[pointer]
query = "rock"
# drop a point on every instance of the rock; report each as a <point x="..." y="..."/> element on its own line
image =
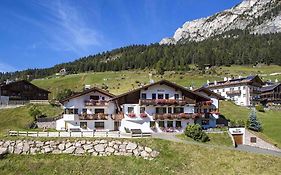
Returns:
<point x="147" y="149"/>
<point x="56" y="151"/>
<point x="11" y="149"/>
<point x="39" y="144"/>
<point x="78" y="144"/>
<point x="17" y="151"/>
<point x="122" y="147"/>
<point x="95" y="153"/>
<point x="144" y="154"/>
<point x="99" y="147"/>
<point x="136" y="152"/>
<point x="87" y="146"/>
<point x="25" y="147"/>
<point x="103" y="141"/>
<point x="3" y="151"/>
<point x="61" y="146"/>
<point x="33" y="150"/>
<point x="69" y="150"/>
<point x="91" y="151"/>
<point x="68" y="144"/>
<point x="131" y="146"/>
<point x="109" y="150"/>
<point x="48" y="150"/>
<point x="154" y="154"/>
<point x="79" y="150"/>
<point x="83" y="142"/>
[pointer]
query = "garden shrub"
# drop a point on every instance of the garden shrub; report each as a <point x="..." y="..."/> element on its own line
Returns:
<point x="196" y="133"/>
<point x="260" y="108"/>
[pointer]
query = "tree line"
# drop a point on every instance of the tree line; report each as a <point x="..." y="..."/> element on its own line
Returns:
<point x="233" y="47"/>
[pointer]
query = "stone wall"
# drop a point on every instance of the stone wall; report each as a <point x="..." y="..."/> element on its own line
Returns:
<point x="49" y="125"/>
<point x="94" y="148"/>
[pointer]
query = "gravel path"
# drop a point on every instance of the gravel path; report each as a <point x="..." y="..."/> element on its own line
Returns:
<point x="244" y="148"/>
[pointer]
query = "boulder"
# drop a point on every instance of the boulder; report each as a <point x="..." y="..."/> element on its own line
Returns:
<point x="147" y="149"/>
<point x="99" y="147"/>
<point x="154" y="154"/>
<point x="3" y="151"/>
<point x="144" y="154"/>
<point x="69" y="150"/>
<point x="109" y="150"/>
<point x="131" y="146"/>
<point x="87" y="146"/>
<point x="61" y="146"/>
<point x="79" y="150"/>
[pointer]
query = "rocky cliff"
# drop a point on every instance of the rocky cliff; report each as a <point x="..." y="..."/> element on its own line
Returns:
<point x="255" y="16"/>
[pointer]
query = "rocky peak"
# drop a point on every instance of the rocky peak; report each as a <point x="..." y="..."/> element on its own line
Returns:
<point x="255" y="16"/>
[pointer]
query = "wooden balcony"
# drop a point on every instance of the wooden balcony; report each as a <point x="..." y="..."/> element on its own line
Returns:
<point x="117" y="117"/>
<point x="161" y="102"/>
<point x="233" y="92"/>
<point x="176" y="116"/>
<point x="96" y="103"/>
<point x="252" y="91"/>
<point x="99" y="116"/>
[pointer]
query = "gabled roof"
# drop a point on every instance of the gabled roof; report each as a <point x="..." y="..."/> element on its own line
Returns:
<point x="248" y="79"/>
<point x="24" y="82"/>
<point x="208" y="92"/>
<point x="270" y="87"/>
<point x="94" y="89"/>
<point x="168" y="83"/>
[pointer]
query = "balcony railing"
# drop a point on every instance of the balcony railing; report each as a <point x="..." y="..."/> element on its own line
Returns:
<point x="96" y="103"/>
<point x="176" y="116"/>
<point x="155" y="102"/>
<point x="233" y="92"/>
<point x="93" y="116"/>
<point x="252" y="91"/>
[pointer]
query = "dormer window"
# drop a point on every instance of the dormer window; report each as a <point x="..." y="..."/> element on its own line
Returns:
<point x="167" y="96"/>
<point x="143" y="96"/>
<point x="153" y="96"/>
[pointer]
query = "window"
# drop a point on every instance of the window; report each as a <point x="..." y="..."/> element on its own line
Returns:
<point x="130" y="109"/>
<point x="94" y="97"/>
<point x="99" y="125"/>
<point x="97" y="111"/>
<point x="169" y="110"/>
<point x="167" y="96"/>
<point x="244" y="87"/>
<point x="244" y="95"/>
<point x="161" y="124"/>
<point x="143" y="96"/>
<point x="84" y="110"/>
<point x="205" y="122"/>
<point x="160" y="96"/>
<point x="178" y="124"/>
<point x="178" y="110"/>
<point x="177" y="96"/>
<point x="161" y="110"/>
<point x="153" y="96"/>
<point x="83" y="125"/>
<point x="152" y="124"/>
<point x="170" y="124"/>
<point x="205" y="110"/>
<point x="239" y="88"/>
<point x="142" y="109"/>
<point x="222" y="90"/>
<point x="102" y="98"/>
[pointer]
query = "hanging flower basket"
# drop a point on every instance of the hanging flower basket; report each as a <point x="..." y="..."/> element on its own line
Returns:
<point x="143" y="115"/>
<point x="132" y="115"/>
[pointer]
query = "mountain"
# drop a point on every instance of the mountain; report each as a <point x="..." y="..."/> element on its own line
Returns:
<point x="254" y="16"/>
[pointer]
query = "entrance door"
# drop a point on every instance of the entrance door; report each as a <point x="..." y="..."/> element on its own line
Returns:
<point x="238" y="138"/>
<point x="116" y="125"/>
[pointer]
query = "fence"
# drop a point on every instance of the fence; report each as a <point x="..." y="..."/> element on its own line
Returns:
<point x="44" y="102"/>
<point x="106" y="134"/>
<point x="49" y="119"/>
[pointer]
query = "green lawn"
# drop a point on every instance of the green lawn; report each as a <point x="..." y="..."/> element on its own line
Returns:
<point x="215" y="139"/>
<point x="174" y="158"/>
<point x="19" y="118"/>
<point x="271" y="120"/>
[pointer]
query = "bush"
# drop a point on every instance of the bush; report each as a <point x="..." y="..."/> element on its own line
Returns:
<point x="34" y="112"/>
<point x="260" y="108"/>
<point x="196" y="133"/>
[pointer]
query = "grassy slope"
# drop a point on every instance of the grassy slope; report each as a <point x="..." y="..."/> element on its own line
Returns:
<point x="270" y="120"/>
<point x="215" y="139"/>
<point x="19" y="118"/>
<point x="174" y="158"/>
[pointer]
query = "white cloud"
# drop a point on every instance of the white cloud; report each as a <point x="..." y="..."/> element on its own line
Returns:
<point x="6" y="68"/>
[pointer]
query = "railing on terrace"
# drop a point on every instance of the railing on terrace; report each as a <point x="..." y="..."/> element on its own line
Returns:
<point x="232" y="92"/>
<point x="99" y="116"/>
<point x="176" y="116"/>
<point x="165" y="102"/>
<point x="96" y="103"/>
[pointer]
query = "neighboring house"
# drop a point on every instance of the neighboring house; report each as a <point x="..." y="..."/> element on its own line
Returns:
<point x="243" y="91"/>
<point x="160" y="106"/>
<point x="271" y="94"/>
<point x="88" y="110"/>
<point x="62" y="72"/>
<point x="211" y="110"/>
<point x="21" y="91"/>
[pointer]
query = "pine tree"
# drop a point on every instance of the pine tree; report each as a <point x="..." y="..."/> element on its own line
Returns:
<point x="254" y="124"/>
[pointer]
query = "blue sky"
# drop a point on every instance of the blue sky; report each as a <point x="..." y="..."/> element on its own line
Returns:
<point x="42" y="33"/>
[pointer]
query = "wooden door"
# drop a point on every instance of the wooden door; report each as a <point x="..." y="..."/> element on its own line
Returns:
<point x="238" y="138"/>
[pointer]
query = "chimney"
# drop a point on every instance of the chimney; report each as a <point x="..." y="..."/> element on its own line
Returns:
<point x="215" y="82"/>
<point x="276" y="80"/>
<point x="224" y="79"/>
<point x="87" y="87"/>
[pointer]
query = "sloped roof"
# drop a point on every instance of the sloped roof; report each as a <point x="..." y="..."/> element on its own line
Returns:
<point x="208" y="92"/>
<point x="270" y="87"/>
<point x="88" y="91"/>
<point x="247" y="79"/>
<point x="22" y="81"/>
<point x="168" y="83"/>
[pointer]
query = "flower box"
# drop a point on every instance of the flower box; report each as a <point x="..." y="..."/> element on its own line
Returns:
<point x="132" y="115"/>
<point x="143" y="115"/>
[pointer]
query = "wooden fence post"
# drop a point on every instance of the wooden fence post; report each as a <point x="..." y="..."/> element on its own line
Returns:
<point x="18" y="133"/>
<point x="81" y="133"/>
<point x="106" y="134"/>
<point x="69" y="133"/>
<point x="27" y="134"/>
<point x="93" y="133"/>
<point x="37" y="133"/>
<point x="59" y="134"/>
